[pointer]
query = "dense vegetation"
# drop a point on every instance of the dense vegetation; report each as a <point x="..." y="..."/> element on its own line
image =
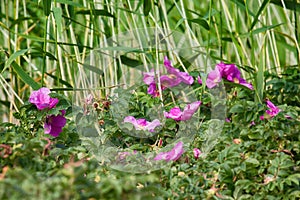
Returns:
<point x="218" y="117"/>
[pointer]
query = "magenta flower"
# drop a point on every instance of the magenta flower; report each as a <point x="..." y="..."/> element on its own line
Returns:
<point x="213" y="78"/>
<point x="243" y="82"/>
<point x="152" y="90"/>
<point x="232" y="74"/>
<point x="182" y="76"/>
<point x="199" y="80"/>
<point x="273" y="111"/>
<point x="176" y="114"/>
<point x="54" y="124"/>
<point x="142" y="124"/>
<point x="89" y="99"/>
<point x="169" y="81"/>
<point x="149" y="77"/>
<point x="197" y="152"/>
<point x="174" y="154"/>
<point x="42" y="100"/>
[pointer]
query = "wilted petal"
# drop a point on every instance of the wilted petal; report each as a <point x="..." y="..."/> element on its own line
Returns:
<point x="169" y="81"/>
<point x="52" y="102"/>
<point x="186" y="78"/>
<point x="189" y="110"/>
<point x="173" y="155"/>
<point x="152" y="125"/>
<point x="142" y="124"/>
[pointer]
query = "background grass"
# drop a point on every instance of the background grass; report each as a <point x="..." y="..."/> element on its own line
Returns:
<point x="50" y="40"/>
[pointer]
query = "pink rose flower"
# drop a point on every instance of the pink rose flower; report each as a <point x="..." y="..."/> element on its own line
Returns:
<point x="197" y="153"/>
<point x="232" y="74"/>
<point x="182" y="76"/>
<point x="214" y="77"/>
<point x="176" y="114"/>
<point x="41" y="99"/>
<point x="272" y="112"/>
<point x="54" y="124"/>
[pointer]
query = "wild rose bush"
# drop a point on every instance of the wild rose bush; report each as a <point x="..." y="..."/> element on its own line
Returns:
<point x="246" y="162"/>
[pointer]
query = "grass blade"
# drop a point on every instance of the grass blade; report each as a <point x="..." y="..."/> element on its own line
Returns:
<point x="24" y="76"/>
<point x="261" y="9"/>
<point x="13" y="57"/>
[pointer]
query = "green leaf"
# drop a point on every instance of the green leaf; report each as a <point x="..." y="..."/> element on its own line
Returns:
<point x="241" y="5"/>
<point x="289" y="4"/>
<point x="237" y="108"/>
<point x="147" y="7"/>
<point x="24" y="76"/>
<point x="179" y="23"/>
<point x="93" y="69"/>
<point x="96" y="12"/>
<point x="265" y="28"/>
<point x="129" y="61"/>
<point x="71" y="3"/>
<point x="57" y="12"/>
<point x="39" y="52"/>
<point x="47" y="7"/>
<point x="294" y="178"/>
<point x="200" y="22"/>
<point x="252" y="161"/>
<point x="13" y="57"/>
<point x="60" y="80"/>
<point x="261" y="9"/>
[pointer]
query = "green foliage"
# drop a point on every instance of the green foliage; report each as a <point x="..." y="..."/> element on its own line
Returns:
<point x="50" y="42"/>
